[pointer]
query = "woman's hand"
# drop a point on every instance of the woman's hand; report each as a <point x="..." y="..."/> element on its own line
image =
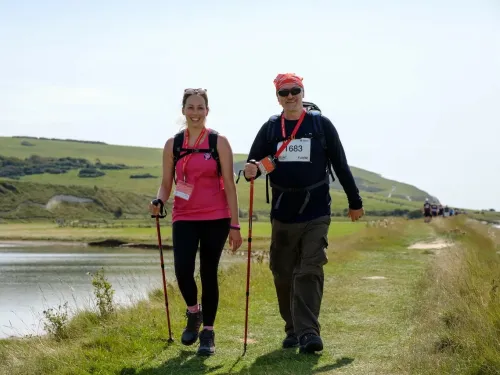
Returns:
<point x="235" y="240"/>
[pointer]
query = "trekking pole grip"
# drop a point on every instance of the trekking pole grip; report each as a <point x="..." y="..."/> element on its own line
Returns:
<point x="162" y="213"/>
<point x="241" y="170"/>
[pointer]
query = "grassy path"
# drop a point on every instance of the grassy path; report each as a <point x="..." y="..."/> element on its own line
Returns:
<point x="371" y="290"/>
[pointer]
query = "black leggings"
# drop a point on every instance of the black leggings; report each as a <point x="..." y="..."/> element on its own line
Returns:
<point x="211" y="235"/>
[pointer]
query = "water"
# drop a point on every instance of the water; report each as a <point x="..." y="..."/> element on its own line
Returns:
<point x="35" y="277"/>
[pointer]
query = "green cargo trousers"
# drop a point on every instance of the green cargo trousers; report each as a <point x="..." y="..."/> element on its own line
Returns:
<point x="297" y="257"/>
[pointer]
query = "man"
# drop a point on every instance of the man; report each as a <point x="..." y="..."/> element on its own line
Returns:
<point x="427" y="211"/>
<point x="288" y="149"/>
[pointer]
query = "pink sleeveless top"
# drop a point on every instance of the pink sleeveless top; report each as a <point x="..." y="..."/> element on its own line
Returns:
<point x="208" y="199"/>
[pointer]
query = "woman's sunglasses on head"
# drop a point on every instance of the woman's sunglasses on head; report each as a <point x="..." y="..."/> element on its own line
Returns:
<point x="195" y="91"/>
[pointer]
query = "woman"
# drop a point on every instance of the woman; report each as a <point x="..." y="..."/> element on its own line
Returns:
<point x="205" y="212"/>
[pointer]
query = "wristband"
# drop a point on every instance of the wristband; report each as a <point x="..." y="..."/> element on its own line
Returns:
<point x="235" y="227"/>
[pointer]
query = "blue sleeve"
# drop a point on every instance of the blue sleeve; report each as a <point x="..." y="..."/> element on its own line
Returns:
<point x="338" y="159"/>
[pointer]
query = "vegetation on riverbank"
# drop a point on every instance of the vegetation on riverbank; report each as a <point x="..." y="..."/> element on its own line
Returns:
<point x="388" y="309"/>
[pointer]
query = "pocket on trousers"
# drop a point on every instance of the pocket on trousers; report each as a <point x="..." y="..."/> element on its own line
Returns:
<point x="314" y="254"/>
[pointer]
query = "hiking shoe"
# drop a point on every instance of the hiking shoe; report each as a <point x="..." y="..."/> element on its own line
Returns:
<point x="190" y="333"/>
<point x="310" y="343"/>
<point x="207" y="343"/>
<point x="291" y="341"/>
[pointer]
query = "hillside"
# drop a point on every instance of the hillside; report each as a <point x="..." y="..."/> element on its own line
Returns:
<point x="40" y="169"/>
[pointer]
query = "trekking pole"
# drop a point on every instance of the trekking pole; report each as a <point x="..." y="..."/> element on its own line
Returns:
<point x="163" y="268"/>
<point x="250" y="220"/>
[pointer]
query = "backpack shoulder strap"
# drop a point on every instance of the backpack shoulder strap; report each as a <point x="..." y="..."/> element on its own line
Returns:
<point x="178" y="140"/>
<point x="212" y="145"/>
<point x="320" y="134"/>
<point x="270" y="128"/>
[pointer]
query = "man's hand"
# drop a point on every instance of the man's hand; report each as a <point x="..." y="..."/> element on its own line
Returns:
<point x="250" y="170"/>
<point x="355" y="215"/>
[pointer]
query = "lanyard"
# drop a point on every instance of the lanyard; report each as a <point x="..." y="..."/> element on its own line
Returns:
<point x="292" y="136"/>
<point x="185" y="145"/>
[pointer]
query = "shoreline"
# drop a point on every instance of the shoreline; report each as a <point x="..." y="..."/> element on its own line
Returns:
<point x="110" y="243"/>
<point x="259" y="254"/>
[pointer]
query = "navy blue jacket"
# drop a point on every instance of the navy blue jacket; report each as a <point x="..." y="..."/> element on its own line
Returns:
<point x="302" y="174"/>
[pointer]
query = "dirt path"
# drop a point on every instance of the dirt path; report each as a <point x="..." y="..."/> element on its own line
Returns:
<point x="433" y="245"/>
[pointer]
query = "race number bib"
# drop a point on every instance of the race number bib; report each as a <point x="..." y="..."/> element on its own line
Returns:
<point x="297" y="150"/>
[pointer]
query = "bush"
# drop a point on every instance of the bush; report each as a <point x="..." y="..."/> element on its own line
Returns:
<point x="113" y="166"/>
<point x="13" y="167"/>
<point x="118" y="213"/>
<point x="415" y="214"/>
<point x="144" y="175"/>
<point x="90" y="172"/>
<point x="56" y="321"/>
<point x="103" y="292"/>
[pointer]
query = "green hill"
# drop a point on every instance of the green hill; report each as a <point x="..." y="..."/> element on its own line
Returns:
<point x="108" y="177"/>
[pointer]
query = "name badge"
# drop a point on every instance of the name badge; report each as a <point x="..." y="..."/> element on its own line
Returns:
<point x="266" y="165"/>
<point x="183" y="190"/>
<point x="297" y="150"/>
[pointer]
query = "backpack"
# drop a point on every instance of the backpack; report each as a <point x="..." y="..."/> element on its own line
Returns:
<point x="212" y="149"/>
<point x="318" y="133"/>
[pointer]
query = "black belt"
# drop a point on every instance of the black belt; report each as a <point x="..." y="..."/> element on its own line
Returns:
<point x="307" y="189"/>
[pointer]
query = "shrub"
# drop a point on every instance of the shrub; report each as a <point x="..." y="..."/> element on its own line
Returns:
<point x="144" y="175"/>
<point x="56" y="321"/>
<point x="103" y="293"/>
<point x="90" y="172"/>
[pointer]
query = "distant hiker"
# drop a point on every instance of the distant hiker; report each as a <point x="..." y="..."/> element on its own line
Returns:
<point x="434" y="209"/>
<point x="446" y="211"/>
<point x="440" y="210"/>
<point x="298" y="171"/>
<point x="427" y="211"/>
<point x="204" y="213"/>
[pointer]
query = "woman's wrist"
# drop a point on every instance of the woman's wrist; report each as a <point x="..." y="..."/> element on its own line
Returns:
<point x="235" y="226"/>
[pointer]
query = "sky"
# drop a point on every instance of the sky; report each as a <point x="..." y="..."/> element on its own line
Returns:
<point x="413" y="88"/>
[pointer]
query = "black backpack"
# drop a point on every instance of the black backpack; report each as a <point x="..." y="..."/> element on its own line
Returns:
<point x="319" y="134"/>
<point x="212" y="149"/>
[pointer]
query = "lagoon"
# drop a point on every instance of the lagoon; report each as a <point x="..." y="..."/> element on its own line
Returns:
<point x="36" y="276"/>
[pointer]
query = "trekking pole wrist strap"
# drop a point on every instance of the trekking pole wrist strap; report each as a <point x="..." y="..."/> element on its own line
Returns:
<point x="163" y="212"/>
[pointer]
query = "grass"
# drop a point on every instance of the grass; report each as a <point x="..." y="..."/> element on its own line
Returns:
<point x="26" y="200"/>
<point x="488" y="216"/>
<point x="456" y="325"/>
<point x="129" y="155"/>
<point x="117" y="190"/>
<point x="369" y="326"/>
<point x="139" y="231"/>
<point x="150" y="159"/>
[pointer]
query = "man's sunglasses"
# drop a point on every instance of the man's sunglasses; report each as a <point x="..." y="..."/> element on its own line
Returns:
<point x="195" y="91"/>
<point x="294" y="91"/>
